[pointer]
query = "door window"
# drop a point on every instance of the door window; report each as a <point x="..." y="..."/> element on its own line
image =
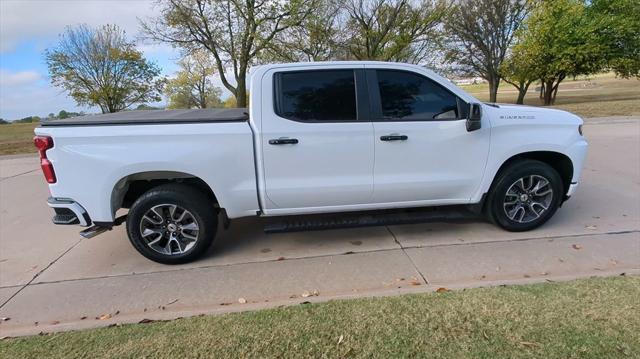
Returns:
<point x="406" y="96"/>
<point x="316" y="96"/>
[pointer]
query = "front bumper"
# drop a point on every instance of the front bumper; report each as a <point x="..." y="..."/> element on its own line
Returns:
<point x="68" y="212"/>
<point x="572" y="189"/>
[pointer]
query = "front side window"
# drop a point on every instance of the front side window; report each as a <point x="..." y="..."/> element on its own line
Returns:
<point x="406" y="96"/>
<point x="326" y="95"/>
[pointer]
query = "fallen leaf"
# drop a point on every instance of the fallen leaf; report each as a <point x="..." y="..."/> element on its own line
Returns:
<point x="591" y="227"/>
<point x="36" y="323"/>
<point x="305" y="294"/>
<point x="242" y="301"/>
<point x="544" y="273"/>
<point x="293" y="296"/>
<point x="529" y="344"/>
<point x="315" y="293"/>
<point x="83" y="317"/>
<point x="340" y="339"/>
<point x="104" y="317"/>
<point x="117" y="312"/>
<point x="4" y="319"/>
<point x="280" y="259"/>
<point x="484" y="334"/>
<point x="527" y="276"/>
<point x="225" y="303"/>
<point x="55" y="322"/>
<point x="442" y="290"/>
<point x="561" y="260"/>
<point x="415" y="282"/>
<point x="399" y="279"/>
<point x="576" y="246"/>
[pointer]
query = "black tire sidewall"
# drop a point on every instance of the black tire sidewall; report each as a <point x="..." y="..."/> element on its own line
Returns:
<point x="507" y="178"/>
<point x="185" y="197"/>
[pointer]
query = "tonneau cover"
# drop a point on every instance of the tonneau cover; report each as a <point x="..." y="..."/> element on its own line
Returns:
<point x="140" y="117"/>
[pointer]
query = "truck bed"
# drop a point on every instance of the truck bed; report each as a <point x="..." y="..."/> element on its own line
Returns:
<point x="154" y="117"/>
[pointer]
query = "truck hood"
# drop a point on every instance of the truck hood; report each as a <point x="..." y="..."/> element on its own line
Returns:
<point x="529" y="114"/>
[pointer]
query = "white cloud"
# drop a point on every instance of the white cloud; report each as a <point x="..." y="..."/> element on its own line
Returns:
<point x="28" y="19"/>
<point x="16" y="79"/>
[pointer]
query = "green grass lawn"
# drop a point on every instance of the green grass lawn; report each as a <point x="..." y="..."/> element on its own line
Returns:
<point x="17" y="138"/>
<point x="592" y="318"/>
<point x="597" y="96"/>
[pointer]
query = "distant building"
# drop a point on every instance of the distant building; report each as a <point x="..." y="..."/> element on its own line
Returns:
<point x="468" y="80"/>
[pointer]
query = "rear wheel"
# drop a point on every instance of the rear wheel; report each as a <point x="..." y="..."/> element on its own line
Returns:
<point x="172" y="224"/>
<point x="525" y="195"/>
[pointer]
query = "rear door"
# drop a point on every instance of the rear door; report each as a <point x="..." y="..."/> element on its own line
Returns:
<point x="423" y="150"/>
<point x="317" y="148"/>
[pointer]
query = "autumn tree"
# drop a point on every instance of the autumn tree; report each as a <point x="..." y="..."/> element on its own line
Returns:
<point x="100" y="67"/>
<point x="480" y="35"/>
<point x="318" y="38"/>
<point x="393" y="30"/>
<point x="559" y="40"/>
<point x="616" y="26"/>
<point x="520" y="69"/>
<point x="192" y="86"/>
<point x="234" y="32"/>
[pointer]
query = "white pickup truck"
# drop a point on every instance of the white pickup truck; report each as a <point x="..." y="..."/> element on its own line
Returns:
<point x="318" y="138"/>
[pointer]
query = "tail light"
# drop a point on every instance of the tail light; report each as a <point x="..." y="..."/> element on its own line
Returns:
<point x="43" y="143"/>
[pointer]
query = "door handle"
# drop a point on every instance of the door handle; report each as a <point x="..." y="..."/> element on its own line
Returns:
<point x="283" y="141"/>
<point x="394" y="138"/>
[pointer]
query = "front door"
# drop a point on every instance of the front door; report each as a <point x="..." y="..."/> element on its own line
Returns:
<point x="423" y="149"/>
<point x="316" y="151"/>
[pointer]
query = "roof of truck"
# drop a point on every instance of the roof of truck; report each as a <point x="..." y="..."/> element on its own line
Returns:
<point x="140" y="117"/>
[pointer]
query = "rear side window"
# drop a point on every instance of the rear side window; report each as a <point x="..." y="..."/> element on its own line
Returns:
<point x="327" y="95"/>
<point x="409" y="97"/>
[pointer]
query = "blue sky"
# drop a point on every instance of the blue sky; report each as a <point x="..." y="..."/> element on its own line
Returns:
<point x="28" y="27"/>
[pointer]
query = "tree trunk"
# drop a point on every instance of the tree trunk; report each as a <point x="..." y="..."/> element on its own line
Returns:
<point x="521" y="93"/>
<point x="548" y="93"/>
<point x="241" y="93"/>
<point x="541" y="89"/>
<point x="493" y="89"/>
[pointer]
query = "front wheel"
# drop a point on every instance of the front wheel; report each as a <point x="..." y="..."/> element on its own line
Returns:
<point x="525" y="195"/>
<point x="172" y="224"/>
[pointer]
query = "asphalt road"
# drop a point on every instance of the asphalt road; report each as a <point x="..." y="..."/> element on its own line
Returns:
<point x="51" y="279"/>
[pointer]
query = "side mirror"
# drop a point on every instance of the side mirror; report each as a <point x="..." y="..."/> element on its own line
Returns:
<point x="475" y="117"/>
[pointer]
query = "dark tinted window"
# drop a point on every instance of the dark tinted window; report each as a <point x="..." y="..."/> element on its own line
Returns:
<point x="408" y="96"/>
<point x="316" y="95"/>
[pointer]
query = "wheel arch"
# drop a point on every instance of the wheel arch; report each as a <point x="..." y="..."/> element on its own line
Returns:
<point x="128" y="188"/>
<point x="557" y="160"/>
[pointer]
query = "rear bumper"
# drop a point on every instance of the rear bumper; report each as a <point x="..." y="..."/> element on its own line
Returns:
<point x="68" y="212"/>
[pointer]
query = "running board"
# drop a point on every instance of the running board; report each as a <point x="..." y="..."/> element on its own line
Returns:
<point x="368" y="219"/>
<point x="99" y="229"/>
<point x="94" y="231"/>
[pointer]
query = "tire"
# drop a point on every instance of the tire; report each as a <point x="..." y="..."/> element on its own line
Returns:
<point x="163" y="222"/>
<point x="507" y="193"/>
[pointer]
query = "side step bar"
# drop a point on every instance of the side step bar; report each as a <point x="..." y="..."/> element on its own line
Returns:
<point x="367" y="219"/>
<point x="99" y="229"/>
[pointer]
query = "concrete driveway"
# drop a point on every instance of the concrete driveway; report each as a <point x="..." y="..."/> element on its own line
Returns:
<point x="51" y="279"/>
